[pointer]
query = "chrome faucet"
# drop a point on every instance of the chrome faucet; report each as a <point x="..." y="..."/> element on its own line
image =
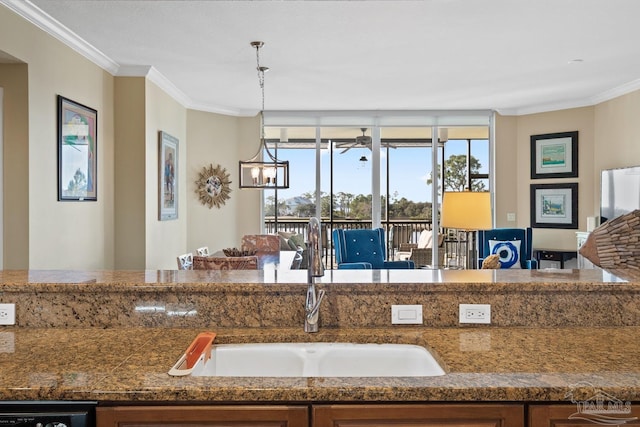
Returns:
<point x="315" y="269"/>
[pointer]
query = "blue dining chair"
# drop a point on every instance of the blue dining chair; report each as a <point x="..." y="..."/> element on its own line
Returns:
<point x="364" y="249"/>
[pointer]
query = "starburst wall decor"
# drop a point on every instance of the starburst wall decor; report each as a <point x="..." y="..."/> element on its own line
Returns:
<point x="213" y="186"/>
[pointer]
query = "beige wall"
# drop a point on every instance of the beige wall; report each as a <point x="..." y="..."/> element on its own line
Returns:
<point x="609" y="137"/>
<point x="164" y="239"/>
<point x="212" y="141"/>
<point x="70" y="234"/>
<point x="250" y="215"/>
<point x="506" y="153"/>
<point x="143" y="241"/>
<point x="514" y="164"/>
<point x="617" y="132"/>
<point x="14" y="80"/>
<point x="221" y="140"/>
<point x="129" y="181"/>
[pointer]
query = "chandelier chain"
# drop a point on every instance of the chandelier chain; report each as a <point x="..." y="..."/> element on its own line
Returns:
<point x="261" y="71"/>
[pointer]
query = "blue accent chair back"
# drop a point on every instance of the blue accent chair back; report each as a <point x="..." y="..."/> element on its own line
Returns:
<point x="507" y="234"/>
<point x="363" y="249"/>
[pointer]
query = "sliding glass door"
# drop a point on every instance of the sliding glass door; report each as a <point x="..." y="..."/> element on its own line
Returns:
<point x="369" y="175"/>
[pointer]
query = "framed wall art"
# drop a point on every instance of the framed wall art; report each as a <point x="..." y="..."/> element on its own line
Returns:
<point x="77" y="151"/>
<point x="167" y="177"/>
<point x="213" y="186"/>
<point x="554" y="155"/>
<point x="554" y="205"/>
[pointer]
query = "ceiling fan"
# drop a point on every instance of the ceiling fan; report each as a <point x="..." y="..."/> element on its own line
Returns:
<point x="361" y="141"/>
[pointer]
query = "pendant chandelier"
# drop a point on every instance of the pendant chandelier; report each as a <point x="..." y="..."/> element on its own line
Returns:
<point x="263" y="170"/>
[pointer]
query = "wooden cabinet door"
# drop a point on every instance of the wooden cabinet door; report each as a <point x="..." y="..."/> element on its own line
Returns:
<point x="203" y="416"/>
<point x="418" y="415"/>
<point x="567" y="415"/>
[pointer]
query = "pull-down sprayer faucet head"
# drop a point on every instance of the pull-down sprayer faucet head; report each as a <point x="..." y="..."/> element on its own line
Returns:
<point x="315" y="269"/>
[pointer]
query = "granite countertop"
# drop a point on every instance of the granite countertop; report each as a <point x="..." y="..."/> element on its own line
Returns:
<point x="375" y="280"/>
<point x="482" y="364"/>
<point x="113" y="335"/>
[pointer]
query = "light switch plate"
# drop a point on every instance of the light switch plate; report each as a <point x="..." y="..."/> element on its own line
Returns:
<point x="406" y="314"/>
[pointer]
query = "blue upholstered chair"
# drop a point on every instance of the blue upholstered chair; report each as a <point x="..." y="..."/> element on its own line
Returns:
<point x="504" y="242"/>
<point x="363" y="249"/>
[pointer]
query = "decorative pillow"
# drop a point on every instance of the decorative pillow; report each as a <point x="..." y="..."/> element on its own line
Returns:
<point x="425" y="239"/>
<point x="284" y="239"/>
<point x="298" y="240"/>
<point x="508" y="252"/>
<point x="291" y="245"/>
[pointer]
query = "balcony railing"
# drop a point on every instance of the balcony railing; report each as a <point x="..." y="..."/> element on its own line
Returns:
<point x="396" y="231"/>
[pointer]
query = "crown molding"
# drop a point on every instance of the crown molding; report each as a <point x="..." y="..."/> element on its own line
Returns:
<point x="40" y="19"/>
<point x="165" y="84"/>
<point x="134" y="70"/>
<point x="155" y="76"/>
<point x="616" y="92"/>
<point x="207" y="108"/>
<point x="607" y="95"/>
<point x="545" y="108"/>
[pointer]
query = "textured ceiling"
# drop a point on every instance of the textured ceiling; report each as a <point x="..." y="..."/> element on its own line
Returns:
<point x="514" y="56"/>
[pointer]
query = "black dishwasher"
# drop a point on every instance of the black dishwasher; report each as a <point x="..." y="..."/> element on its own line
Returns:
<point x="47" y="413"/>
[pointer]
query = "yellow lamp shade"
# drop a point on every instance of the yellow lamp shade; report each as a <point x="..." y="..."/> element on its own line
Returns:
<point x="466" y="210"/>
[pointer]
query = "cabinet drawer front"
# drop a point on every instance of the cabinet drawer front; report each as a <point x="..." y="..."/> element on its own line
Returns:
<point x="206" y="415"/>
<point x="418" y="415"/>
<point x="569" y="416"/>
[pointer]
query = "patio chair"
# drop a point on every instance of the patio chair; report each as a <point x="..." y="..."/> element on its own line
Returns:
<point x="513" y="246"/>
<point x="363" y="249"/>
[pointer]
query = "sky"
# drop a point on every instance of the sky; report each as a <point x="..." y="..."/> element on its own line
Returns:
<point x="409" y="170"/>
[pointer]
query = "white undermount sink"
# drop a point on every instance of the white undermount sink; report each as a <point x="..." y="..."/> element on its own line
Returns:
<point x="318" y="360"/>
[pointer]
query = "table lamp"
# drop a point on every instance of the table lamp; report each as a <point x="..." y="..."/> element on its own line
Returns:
<point x="469" y="211"/>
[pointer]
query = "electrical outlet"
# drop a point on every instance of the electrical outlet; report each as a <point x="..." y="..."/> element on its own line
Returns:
<point x="475" y="313"/>
<point x="7" y="314"/>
